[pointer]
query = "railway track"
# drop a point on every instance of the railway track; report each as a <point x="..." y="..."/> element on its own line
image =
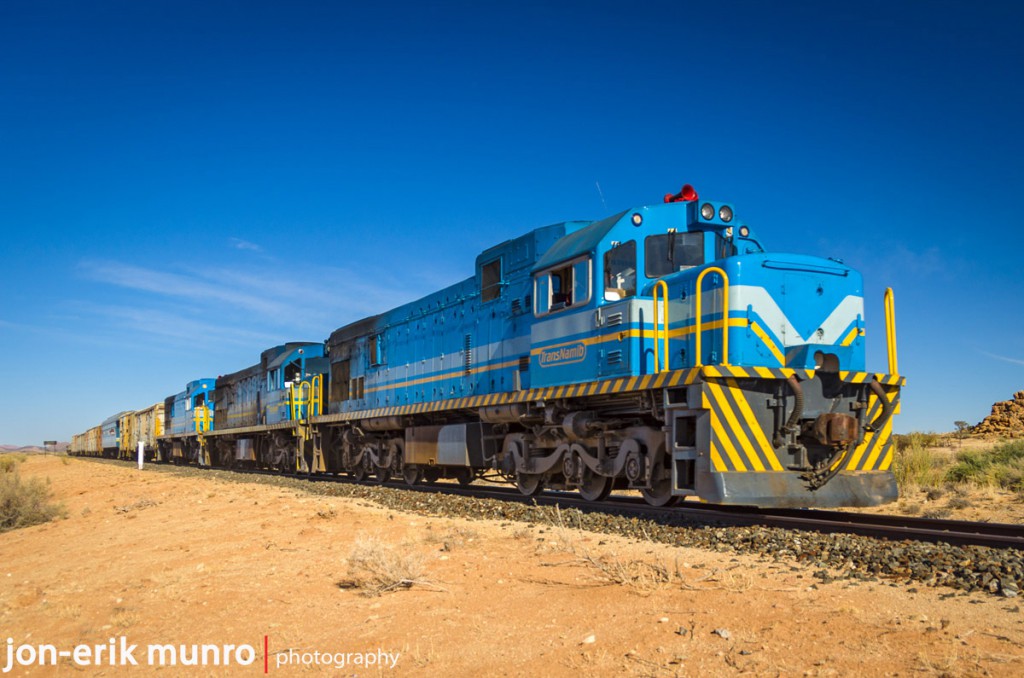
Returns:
<point x="691" y="514"/>
<point x="996" y="535"/>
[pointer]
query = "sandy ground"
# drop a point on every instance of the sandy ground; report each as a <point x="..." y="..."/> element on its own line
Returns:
<point x="162" y="559"/>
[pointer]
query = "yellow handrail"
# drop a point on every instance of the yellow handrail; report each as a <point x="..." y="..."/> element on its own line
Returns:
<point x="890" y="329"/>
<point x="296" y="401"/>
<point x="202" y="418"/>
<point x="725" y="315"/>
<point x="662" y="333"/>
<point x="316" y="397"/>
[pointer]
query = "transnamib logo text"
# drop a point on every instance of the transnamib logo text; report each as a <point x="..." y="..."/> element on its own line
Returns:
<point x="563" y="355"/>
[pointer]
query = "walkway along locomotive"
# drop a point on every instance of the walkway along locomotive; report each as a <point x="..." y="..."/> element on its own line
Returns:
<point x="662" y="349"/>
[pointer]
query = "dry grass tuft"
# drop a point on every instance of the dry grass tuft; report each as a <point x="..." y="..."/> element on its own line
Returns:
<point x="915" y="465"/>
<point x="327" y="512"/>
<point x="27" y="503"/>
<point x="123" y="618"/>
<point x="639" y="575"/>
<point x="522" y="533"/>
<point x="69" y="611"/>
<point x="375" y="567"/>
<point x="136" y="506"/>
<point x="9" y="462"/>
<point x="452" y="538"/>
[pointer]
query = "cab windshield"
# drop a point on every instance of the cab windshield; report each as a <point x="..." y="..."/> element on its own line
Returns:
<point x="671" y="252"/>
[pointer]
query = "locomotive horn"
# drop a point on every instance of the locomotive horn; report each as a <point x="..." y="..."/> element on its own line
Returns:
<point x="686" y="194"/>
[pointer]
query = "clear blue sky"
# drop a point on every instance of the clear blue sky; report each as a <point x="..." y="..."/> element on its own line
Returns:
<point x="183" y="184"/>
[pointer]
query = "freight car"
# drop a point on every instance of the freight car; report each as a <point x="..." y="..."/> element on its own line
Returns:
<point x="662" y="350"/>
<point x="144" y="426"/>
<point x="87" y="444"/>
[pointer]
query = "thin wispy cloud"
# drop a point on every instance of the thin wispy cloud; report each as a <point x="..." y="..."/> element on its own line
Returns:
<point x="1005" y="359"/>
<point x="191" y="287"/>
<point x="240" y="244"/>
<point x="274" y="302"/>
<point x="175" y="326"/>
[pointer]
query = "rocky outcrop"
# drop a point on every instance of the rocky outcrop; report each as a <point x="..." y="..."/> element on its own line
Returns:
<point x="1007" y="418"/>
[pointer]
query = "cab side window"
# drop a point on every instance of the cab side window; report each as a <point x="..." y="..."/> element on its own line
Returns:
<point x="724" y="248"/>
<point x="566" y="286"/>
<point x="490" y="281"/>
<point x="620" y="271"/>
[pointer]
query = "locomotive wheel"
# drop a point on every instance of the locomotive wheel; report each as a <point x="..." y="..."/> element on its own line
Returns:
<point x="530" y="484"/>
<point x="431" y="475"/>
<point x="660" y="493"/>
<point x="412" y="475"/>
<point x="381" y="475"/>
<point x="359" y="472"/>
<point x="464" y="476"/>
<point x="595" y="487"/>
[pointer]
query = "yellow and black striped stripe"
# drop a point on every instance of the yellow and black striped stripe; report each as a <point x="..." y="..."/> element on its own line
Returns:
<point x="875" y="453"/>
<point x="738" y="441"/>
<point x="647" y="382"/>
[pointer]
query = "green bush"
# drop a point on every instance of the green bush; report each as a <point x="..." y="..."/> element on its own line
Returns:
<point x="914" y="464"/>
<point x="1000" y="466"/>
<point x="25" y="503"/>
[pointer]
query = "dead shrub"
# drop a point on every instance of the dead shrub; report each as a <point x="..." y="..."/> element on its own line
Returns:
<point x="136" y="506"/>
<point x="638" y="575"/>
<point x="9" y="462"/>
<point x="375" y="567"/>
<point x="25" y="503"/>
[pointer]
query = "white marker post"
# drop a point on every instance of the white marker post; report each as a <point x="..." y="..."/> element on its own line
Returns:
<point x="142" y="453"/>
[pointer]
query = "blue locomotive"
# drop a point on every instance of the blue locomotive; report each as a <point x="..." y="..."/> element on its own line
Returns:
<point x="187" y="416"/>
<point x="663" y="349"/>
<point x="267" y="399"/>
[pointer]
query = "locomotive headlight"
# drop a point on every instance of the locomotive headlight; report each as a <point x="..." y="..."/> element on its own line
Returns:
<point x="638" y="219"/>
<point x="744" y="231"/>
<point x="707" y="210"/>
<point x="725" y="213"/>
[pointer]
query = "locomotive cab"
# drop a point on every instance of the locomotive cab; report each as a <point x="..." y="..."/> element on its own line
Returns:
<point x="294" y="382"/>
<point x="593" y="309"/>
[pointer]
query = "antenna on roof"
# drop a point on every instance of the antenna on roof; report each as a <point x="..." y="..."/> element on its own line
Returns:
<point x="600" y="193"/>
